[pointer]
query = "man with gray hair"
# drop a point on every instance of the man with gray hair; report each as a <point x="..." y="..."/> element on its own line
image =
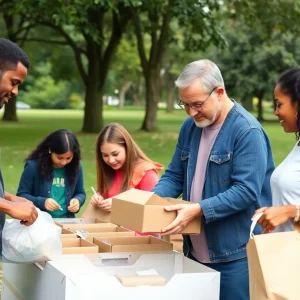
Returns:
<point x="222" y="163"/>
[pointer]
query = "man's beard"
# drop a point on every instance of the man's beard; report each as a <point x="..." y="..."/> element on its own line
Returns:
<point x="204" y="123"/>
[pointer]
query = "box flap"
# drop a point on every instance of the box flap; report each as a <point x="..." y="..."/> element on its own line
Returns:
<point x="135" y="196"/>
<point x="157" y="200"/>
<point x="93" y="212"/>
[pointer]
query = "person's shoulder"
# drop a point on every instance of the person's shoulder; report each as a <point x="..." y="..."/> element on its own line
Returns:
<point x="31" y="166"/>
<point x="31" y="163"/>
<point x="246" y="119"/>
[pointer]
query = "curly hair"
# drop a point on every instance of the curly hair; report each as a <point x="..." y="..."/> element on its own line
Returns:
<point x="11" y="55"/>
<point x="117" y="134"/>
<point x="59" y="142"/>
<point x="289" y="82"/>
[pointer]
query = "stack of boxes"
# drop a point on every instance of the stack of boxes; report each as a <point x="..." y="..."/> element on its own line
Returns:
<point x="103" y="257"/>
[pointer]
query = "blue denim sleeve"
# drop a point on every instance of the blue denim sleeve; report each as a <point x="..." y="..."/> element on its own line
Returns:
<point x="249" y="173"/>
<point x="26" y="185"/>
<point x="171" y="183"/>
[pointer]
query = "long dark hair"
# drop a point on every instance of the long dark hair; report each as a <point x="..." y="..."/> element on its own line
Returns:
<point x="289" y="83"/>
<point x="59" y="142"/>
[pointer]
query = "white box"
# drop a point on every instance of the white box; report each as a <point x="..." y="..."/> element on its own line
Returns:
<point x="93" y="276"/>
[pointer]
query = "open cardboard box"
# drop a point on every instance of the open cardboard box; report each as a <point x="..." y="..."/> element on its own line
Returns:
<point x="78" y="246"/>
<point x="86" y="220"/>
<point x="131" y="244"/>
<point x="144" y="212"/>
<point x="89" y="227"/>
<point x="90" y="233"/>
<point x="102" y="276"/>
<point x="113" y="232"/>
<point x="96" y="213"/>
<point x="66" y="234"/>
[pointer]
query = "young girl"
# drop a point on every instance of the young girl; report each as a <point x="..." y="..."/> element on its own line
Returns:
<point x="52" y="178"/>
<point x="121" y="165"/>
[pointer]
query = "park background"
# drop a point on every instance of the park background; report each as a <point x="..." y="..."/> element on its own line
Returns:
<point x="94" y="62"/>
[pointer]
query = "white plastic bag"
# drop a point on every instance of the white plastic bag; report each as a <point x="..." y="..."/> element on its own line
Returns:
<point x="38" y="242"/>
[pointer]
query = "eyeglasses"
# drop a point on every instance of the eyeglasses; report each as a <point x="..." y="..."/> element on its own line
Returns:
<point x="197" y="106"/>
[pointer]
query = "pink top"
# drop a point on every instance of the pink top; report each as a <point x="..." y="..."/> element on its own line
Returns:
<point x="146" y="184"/>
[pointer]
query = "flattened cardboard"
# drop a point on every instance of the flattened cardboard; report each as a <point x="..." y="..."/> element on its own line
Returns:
<point x="93" y="212"/>
<point x="66" y="234"/>
<point x="132" y="244"/>
<point x="88" y="227"/>
<point x="150" y="280"/>
<point x="137" y="210"/>
<point x="88" y="220"/>
<point x="78" y="246"/>
<point x="118" y="232"/>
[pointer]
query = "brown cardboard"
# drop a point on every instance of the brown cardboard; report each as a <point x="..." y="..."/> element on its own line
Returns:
<point x="77" y="246"/>
<point x="94" y="212"/>
<point x="65" y="233"/>
<point x="112" y="232"/>
<point x="131" y="281"/>
<point x="73" y="222"/>
<point x="89" y="227"/>
<point x="144" y="211"/>
<point x="132" y="244"/>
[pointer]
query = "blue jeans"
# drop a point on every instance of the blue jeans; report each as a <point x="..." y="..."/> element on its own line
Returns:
<point x="234" y="278"/>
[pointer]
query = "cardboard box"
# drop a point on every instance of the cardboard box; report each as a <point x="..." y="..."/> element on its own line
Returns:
<point x="95" y="276"/>
<point x="73" y="222"/>
<point x="93" y="212"/>
<point x="113" y="232"/>
<point x="132" y="244"/>
<point x="144" y="212"/>
<point x="88" y="227"/>
<point x="78" y="246"/>
<point x="66" y="234"/>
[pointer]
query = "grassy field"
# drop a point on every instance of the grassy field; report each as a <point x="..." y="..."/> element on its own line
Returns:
<point x="19" y="138"/>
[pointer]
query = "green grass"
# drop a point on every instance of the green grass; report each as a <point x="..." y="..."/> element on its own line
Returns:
<point x="19" y="138"/>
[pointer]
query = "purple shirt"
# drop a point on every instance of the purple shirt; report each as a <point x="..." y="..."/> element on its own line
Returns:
<point x="199" y="245"/>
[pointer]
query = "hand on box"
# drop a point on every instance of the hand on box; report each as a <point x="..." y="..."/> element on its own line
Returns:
<point x="105" y="204"/>
<point x="185" y="214"/>
<point x="74" y="205"/>
<point x="24" y="211"/>
<point x="96" y="199"/>
<point x="51" y="204"/>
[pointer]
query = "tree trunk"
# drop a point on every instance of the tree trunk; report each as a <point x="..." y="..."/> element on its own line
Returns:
<point x="170" y="99"/>
<point x="247" y="103"/>
<point x="260" y="107"/>
<point x="152" y="98"/>
<point x="122" y="93"/>
<point x="93" y="119"/>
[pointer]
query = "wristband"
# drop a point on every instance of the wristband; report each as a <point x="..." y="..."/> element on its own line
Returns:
<point x="297" y="214"/>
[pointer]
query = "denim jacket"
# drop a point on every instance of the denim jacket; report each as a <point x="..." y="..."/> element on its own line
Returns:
<point x="237" y="181"/>
<point x="37" y="189"/>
